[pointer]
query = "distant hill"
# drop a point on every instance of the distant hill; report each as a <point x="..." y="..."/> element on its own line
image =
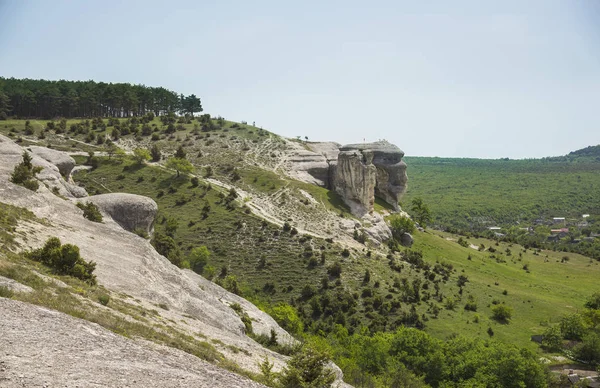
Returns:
<point x="588" y="152"/>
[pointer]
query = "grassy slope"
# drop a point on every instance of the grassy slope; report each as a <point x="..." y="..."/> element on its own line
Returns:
<point x="463" y="192"/>
<point x="542" y="296"/>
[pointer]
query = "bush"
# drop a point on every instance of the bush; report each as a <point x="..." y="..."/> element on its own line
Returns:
<point x="64" y="259"/>
<point x="90" y="211"/>
<point x="335" y="269"/>
<point x="6" y="292"/>
<point x="502" y="312"/>
<point x="307" y="368"/>
<point x="401" y="225"/>
<point x="104" y="299"/>
<point x="24" y="173"/>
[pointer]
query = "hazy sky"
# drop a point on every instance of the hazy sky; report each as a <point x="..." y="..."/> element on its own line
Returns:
<point x="438" y="78"/>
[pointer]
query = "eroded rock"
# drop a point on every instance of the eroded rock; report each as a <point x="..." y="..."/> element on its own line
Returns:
<point x="61" y="160"/>
<point x="391" y="176"/>
<point x="132" y="212"/>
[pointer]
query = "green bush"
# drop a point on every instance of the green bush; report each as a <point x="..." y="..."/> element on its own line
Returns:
<point x="307" y="368"/>
<point x="502" y="313"/>
<point x="90" y="211"/>
<point x="6" y="292"/>
<point x="401" y="225"/>
<point x="64" y="260"/>
<point x="24" y="173"/>
<point x="104" y="299"/>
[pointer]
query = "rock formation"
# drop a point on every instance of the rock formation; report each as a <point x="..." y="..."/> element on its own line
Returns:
<point x="390" y="172"/>
<point x="357" y="172"/>
<point x="128" y="210"/>
<point x="355" y="179"/>
<point x="62" y="160"/>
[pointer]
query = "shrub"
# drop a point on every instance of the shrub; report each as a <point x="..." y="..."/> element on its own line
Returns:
<point x="6" y="292"/>
<point x="307" y="368"/>
<point x="401" y="225"/>
<point x="104" y="299"/>
<point x="140" y="155"/>
<point x="24" y="173"/>
<point x="198" y="258"/>
<point x="335" y="269"/>
<point x="64" y="260"/>
<point x="502" y="312"/>
<point x="90" y="211"/>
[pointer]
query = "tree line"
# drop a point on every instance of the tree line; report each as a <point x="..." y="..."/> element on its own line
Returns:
<point x="28" y="98"/>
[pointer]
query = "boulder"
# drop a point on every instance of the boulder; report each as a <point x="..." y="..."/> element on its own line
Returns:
<point x="132" y="212"/>
<point x="62" y="160"/>
<point x="406" y="240"/>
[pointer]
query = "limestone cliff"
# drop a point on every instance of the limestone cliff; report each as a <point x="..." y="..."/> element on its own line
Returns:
<point x="390" y="171"/>
<point x="357" y="172"/>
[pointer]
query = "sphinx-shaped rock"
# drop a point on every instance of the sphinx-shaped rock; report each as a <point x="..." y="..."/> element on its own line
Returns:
<point x="354" y="180"/>
<point x="132" y="212"/>
<point x="367" y="170"/>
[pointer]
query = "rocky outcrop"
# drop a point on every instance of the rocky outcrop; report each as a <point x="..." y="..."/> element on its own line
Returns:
<point x="61" y="160"/>
<point x="50" y="176"/>
<point x="355" y="179"/>
<point x="390" y="169"/>
<point x="132" y="212"/>
<point x="309" y="167"/>
<point x="357" y="172"/>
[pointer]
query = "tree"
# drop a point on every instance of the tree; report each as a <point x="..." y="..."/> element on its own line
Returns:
<point x="287" y="317"/>
<point x="552" y="339"/>
<point x="589" y="349"/>
<point x="155" y="152"/>
<point x="141" y="155"/>
<point x="572" y="327"/>
<point x="198" y="258"/>
<point x="179" y="165"/>
<point x="4" y="106"/>
<point x="180" y="153"/>
<point x="421" y="211"/>
<point x="307" y="369"/>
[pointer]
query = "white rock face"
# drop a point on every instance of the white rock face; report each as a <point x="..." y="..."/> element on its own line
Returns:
<point x="128" y="264"/>
<point x="354" y="180"/>
<point x="62" y="160"/>
<point x="128" y="210"/>
<point x="46" y="348"/>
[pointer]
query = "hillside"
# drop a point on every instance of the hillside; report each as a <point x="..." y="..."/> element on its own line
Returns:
<point x="280" y="241"/>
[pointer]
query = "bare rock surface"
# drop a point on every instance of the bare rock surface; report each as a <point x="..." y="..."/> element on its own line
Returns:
<point x="355" y="179"/>
<point x="14" y="285"/>
<point x="62" y="160"/>
<point x="128" y="210"/>
<point x="128" y="264"/>
<point x="46" y="348"/>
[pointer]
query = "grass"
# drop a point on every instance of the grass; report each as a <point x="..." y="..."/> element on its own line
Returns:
<point x="539" y="296"/>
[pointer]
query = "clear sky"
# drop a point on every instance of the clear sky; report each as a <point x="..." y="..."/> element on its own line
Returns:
<point x="438" y="78"/>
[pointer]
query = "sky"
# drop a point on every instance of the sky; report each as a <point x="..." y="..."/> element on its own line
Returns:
<point x="485" y="79"/>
